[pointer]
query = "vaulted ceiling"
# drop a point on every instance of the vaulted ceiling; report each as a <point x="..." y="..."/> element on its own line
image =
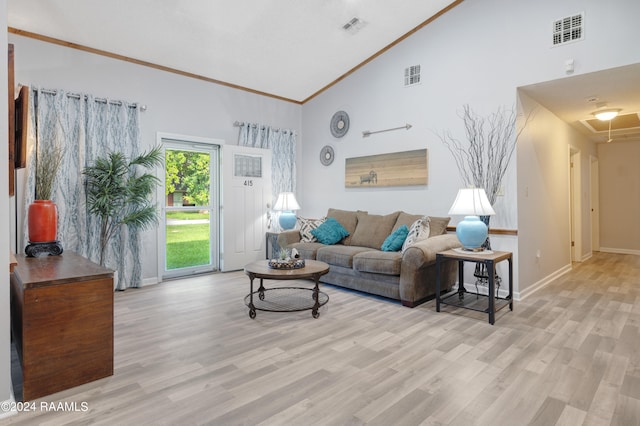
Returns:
<point x="286" y="48"/>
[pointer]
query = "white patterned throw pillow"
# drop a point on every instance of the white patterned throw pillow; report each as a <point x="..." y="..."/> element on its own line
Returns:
<point x="419" y="231"/>
<point x="308" y="225"/>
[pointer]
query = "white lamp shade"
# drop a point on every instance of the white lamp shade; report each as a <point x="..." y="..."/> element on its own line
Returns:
<point x="472" y="201"/>
<point x="286" y="202"/>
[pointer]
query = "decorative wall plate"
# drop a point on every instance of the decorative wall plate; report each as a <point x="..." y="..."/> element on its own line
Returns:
<point x="339" y="124"/>
<point x="327" y="155"/>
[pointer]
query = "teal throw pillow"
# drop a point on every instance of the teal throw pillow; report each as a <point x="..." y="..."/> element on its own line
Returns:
<point x="330" y="232"/>
<point x="394" y="241"/>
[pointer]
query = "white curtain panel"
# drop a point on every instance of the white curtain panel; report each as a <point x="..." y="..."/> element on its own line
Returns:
<point x="86" y="128"/>
<point x="282" y="143"/>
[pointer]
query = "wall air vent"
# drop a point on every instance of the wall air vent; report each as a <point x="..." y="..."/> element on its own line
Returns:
<point x="412" y="75"/>
<point x="569" y="29"/>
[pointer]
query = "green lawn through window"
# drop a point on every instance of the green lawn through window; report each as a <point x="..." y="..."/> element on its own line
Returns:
<point x="187" y="243"/>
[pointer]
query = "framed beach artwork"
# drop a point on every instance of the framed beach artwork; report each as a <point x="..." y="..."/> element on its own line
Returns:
<point x="405" y="168"/>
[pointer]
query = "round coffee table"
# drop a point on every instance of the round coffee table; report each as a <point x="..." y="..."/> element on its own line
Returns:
<point x="286" y="299"/>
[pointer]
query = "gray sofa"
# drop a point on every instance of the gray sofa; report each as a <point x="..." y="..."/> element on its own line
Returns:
<point x="358" y="263"/>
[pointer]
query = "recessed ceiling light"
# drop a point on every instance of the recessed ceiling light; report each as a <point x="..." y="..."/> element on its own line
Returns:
<point x="606" y="114"/>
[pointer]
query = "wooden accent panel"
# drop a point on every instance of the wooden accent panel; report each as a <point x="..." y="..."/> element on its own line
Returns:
<point x="12" y="121"/>
<point x="394" y="169"/>
<point x="62" y="320"/>
<point x="492" y="231"/>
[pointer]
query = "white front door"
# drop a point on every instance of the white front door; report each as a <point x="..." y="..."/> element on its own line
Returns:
<point x="246" y="197"/>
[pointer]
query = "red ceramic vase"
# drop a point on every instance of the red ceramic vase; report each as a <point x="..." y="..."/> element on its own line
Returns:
<point x="43" y="221"/>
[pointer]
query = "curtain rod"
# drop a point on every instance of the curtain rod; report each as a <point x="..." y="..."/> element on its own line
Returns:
<point x="143" y="108"/>
<point x="261" y="126"/>
<point x="254" y="125"/>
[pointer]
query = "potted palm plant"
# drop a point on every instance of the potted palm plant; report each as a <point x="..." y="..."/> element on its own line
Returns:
<point x="118" y="194"/>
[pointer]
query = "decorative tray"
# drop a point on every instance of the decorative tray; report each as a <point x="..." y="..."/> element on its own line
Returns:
<point x="286" y="264"/>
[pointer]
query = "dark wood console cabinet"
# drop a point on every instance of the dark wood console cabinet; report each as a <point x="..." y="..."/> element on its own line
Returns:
<point x="62" y="322"/>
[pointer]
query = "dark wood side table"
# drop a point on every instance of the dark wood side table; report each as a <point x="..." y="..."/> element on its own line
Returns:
<point x="489" y="303"/>
<point x="62" y="322"/>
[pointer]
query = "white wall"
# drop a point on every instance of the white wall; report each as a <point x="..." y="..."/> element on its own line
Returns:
<point x="544" y="215"/>
<point x="5" y="323"/>
<point x="619" y="197"/>
<point x="479" y="53"/>
<point x="175" y="104"/>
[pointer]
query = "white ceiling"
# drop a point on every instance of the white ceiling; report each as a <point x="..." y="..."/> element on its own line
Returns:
<point x="287" y="48"/>
<point x="575" y="98"/>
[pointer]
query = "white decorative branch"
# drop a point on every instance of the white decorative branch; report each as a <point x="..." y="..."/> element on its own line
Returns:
<point x="483" y="159"/>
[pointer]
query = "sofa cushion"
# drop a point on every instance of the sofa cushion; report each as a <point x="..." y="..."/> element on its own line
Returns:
<point x="406" y="219"/>
<point x="378" y="262"/>
<point x="330" y="232"/>
<point x="419" y="230"/>
<point x="339" y="255"/>
<point x="438" y="225"/>
<point x="371" y="229"/>
<point x="306" y="226"/>
<point x="348" y="219"/>
<point x="396" y="239"/>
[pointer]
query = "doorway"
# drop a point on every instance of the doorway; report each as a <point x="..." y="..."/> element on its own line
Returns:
<point x="594" y="175"/>
<point x="246" y="173"/>
<point x="189" y="242"/>
<point x="575" y="192"/>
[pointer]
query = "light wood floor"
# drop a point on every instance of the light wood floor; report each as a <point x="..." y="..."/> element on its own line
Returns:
<point x="186" y="352"/>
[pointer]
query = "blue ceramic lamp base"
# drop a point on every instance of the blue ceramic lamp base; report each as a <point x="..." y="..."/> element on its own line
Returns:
<point x="287" y="220"/>
<point x="472" y="233"/>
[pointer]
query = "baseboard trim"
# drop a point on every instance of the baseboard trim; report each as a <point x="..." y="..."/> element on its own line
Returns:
<point x="620" y="251"/>
<point x="9" y="403"/>
<point x="545" y="281"/>
<point x="149" y="281"/>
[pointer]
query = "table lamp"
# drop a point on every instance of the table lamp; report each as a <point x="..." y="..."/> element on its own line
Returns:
<point x="471" y="231"/>
<point x="286" y="203"/>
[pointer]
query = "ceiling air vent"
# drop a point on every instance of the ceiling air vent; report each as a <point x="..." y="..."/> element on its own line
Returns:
<point x="412" y="75"/>
<point x="354" y="25"/>
<point x="569" y="29"/>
